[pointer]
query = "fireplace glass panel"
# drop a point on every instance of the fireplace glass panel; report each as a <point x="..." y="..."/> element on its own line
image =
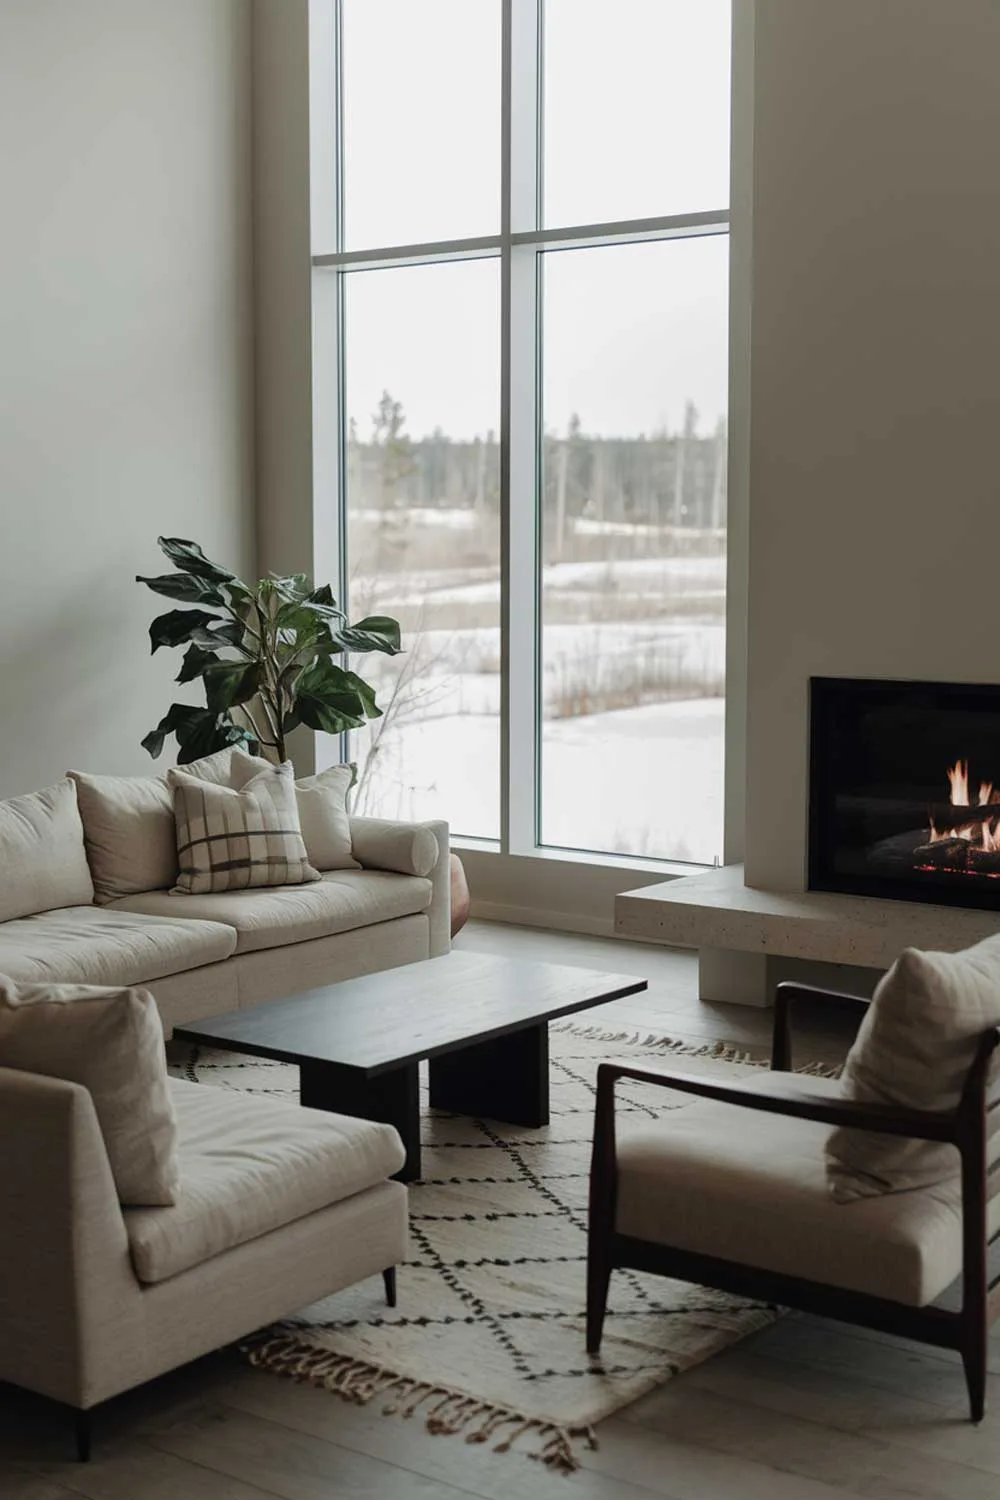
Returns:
<point x="905" y="790"/>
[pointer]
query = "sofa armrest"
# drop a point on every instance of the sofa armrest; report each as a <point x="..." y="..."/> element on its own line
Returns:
<point x="70" y="1313"/>
<point x="411" y="849"/>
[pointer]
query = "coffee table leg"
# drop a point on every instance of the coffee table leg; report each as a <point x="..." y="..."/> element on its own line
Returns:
<point x="392" y="1098"/>
<point x="505" y="1079"/>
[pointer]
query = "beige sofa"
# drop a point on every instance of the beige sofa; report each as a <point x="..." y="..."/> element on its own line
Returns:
<point x="278" y="1207"/>
<point x="204" y="955"/>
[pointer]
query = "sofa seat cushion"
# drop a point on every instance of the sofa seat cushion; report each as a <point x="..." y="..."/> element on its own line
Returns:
<point x="714" y="1179"/>
<point x="98" y="945"/>
<point x="341" y="901"/>
<point x="248" y="1166"/>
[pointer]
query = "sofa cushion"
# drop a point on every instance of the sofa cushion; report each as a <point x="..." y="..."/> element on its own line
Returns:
<point x="248" y="1166"/>
<point x="98" y="945"/>
<point x="128" y="825"/>
<point x="915" y="1048"/>
<point x="231" y="839"/>
<point x="43" y="863"/>
<point x="111" y="1042"/>
<point x="339" y="902"/>
<point x="750" y="1187"/>
<point x="322" y="804"/>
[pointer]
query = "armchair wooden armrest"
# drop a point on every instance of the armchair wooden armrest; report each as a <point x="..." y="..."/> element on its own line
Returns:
<point x="783" y="1097"/>
<point x="785" y="997"/>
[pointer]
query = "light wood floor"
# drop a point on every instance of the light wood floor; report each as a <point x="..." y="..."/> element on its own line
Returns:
<point x="805" y="1410"/>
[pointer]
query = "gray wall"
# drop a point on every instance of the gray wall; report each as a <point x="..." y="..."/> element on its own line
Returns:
<point x="125" y="354"/>
<point x="875" y="387"/>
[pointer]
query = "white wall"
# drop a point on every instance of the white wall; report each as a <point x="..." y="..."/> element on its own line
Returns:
<point x="875" y="397"/>
<point x="125" y="355"/>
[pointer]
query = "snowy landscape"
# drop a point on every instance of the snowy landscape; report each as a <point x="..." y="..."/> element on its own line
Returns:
<point x="632" y="661"/>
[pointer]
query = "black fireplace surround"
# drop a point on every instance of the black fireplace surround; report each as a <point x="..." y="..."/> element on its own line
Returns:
<point x="904" y="790"/>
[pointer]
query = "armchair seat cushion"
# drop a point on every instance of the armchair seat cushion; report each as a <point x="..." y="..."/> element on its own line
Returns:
<point x="98" y="945"/>
<point x="749" y="1187"/>
<point x="339" y="902"/>
<point x="249" y="1166"/>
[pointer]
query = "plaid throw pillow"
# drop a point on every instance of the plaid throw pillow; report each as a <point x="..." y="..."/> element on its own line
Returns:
<point x="231" y="839"/>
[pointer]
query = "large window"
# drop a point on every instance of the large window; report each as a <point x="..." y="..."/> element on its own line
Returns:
<point x="521" y="293"/>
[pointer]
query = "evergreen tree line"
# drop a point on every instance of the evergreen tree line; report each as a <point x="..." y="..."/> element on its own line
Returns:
<point x="675" y="479"/>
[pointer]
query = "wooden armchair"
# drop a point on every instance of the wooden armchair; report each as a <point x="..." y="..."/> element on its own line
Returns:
<point x="732" y="1193"/>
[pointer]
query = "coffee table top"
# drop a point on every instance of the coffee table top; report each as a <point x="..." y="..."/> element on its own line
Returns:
<point x="398" y="1016"/>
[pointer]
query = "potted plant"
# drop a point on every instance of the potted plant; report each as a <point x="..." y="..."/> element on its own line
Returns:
<point x="265" y="655"/>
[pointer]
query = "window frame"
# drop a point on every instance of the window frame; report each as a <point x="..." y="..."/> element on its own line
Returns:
<point x="519" y="247"/>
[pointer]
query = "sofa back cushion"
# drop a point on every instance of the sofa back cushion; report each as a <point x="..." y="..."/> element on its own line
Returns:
<point x="322" y="804"/>
<point x="43" y="863"/>
<point x="111" y="1042"/>
<point x="915" y="1048"/>
<point x="128" y="824"/>
<point x="235" y="840"/>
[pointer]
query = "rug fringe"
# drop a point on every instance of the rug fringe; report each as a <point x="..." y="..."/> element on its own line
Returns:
<point x="452" y="1413"/>
<point x="719" y="1051"/>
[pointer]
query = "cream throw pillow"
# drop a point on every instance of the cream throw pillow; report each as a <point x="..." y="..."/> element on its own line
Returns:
<point x="42" y="856"/>
<point x="915" y="1048"/>
<point x="231" y="839"/>
<point x="128" y="823"/>
<point x="111" y="1042"/>
<point x="322" y="803"/>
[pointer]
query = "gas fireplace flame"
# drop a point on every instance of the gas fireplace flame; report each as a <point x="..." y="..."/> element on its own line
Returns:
<point x="982" y="832"/>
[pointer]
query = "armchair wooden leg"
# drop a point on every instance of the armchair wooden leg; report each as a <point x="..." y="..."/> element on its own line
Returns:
<point x="602" y="1210"/>
<point x="82" y="1426"/>
<point x="598" y="1278"/>
<point x="389" y="1278"/>
<point x="974" y="1359"/>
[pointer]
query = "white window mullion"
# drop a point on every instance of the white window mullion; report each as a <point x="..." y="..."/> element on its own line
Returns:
<point x="519" y="430"/>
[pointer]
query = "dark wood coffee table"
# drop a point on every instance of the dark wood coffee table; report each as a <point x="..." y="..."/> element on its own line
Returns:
<point x="482" y="1022"/>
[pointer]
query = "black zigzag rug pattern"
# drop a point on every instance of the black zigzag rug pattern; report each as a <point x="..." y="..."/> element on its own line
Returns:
<point x="487" y="1340"/>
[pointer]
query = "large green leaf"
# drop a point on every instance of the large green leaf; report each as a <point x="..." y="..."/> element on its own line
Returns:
<point x="206" y="734"/>
<point x="189" y="556"/>
<point x="327" y="698"/>
<point x="364" y="691"/>
<point x="181" y="625"/>
<point x="186" y="587"/>
<point x="376" y="633"/>
<point x="174" y="720"/>
<point x="194" y="663"/>
<point x="292" y="586"/>
<point x="229" y="633"/>
<point x="228" y="683"/>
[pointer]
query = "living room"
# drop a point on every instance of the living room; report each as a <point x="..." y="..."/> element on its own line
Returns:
<point x="661" y="430"/>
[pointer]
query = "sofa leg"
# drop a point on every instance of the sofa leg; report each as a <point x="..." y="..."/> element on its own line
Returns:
<point x="82" y="1425"/>
<point x="389" y="1278"/>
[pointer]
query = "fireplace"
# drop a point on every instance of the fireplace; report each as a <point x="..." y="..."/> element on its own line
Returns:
<point x="904" y="791"/>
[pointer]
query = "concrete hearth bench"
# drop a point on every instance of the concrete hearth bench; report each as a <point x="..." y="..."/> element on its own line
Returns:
<point x="748" y="939"/>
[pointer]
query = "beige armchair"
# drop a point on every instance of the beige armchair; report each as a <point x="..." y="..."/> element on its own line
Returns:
<point x="279" y="1206"/>
<point x="732" y="1193"/>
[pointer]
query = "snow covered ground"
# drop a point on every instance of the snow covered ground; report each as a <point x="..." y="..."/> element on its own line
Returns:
<point x="633" y="668"/>
<point x="643" y="781"/>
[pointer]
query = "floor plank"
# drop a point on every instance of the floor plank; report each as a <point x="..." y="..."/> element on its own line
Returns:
<point x="364" y="1429"/>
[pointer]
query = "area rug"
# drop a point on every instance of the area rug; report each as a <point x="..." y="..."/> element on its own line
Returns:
<point x="487" y="1340"/>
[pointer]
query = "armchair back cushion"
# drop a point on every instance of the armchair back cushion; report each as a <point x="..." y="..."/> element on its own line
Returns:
<point x="128" y="825"/>
<point x="111" y="1042"/>
<point x="915" y="1048"/>
<point x="42" y="856"/>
